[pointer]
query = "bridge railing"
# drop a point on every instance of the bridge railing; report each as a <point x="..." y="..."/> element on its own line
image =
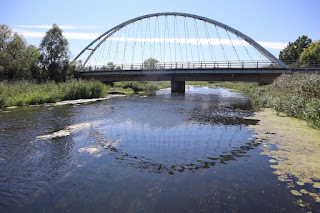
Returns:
<point x="203" y="65"/>
<point x="297" y="64"/>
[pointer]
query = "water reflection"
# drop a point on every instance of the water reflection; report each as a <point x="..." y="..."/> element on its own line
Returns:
<point x="149" y="165"/>
<point x="138" y="153"/>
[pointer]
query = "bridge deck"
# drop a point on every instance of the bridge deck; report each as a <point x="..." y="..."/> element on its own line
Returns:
<point x="265" y="75"/>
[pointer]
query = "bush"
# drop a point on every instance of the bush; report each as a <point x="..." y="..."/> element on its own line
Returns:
<point x="297" y="95"/>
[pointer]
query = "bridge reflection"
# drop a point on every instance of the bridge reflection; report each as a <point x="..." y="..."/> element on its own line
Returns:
<point x="208" y="134"/>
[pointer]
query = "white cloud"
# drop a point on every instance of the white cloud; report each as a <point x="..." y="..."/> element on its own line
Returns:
<point x="273" y="45"/>
<point x="64" y="27"/>
<point x="192" y="41"/>
<point x="68" y="35"/>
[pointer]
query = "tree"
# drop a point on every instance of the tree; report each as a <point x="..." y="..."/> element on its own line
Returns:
<point x="294" y="50"/>
<point x="17" y="59"/>
<point x="110" y="65"/>
<point x="54" y="56"/>
<point x="150" y="63"/>
<point x="311" y="53"/>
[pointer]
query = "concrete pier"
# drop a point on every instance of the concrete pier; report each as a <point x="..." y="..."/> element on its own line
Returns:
<point x="178" y="87"/>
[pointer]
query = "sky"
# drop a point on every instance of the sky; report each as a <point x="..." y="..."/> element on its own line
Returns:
<point x="273" y="23"/>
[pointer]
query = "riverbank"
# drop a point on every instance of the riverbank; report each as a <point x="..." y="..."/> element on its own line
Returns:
<point x="296" y="95"/>
<point x="29" y="93"/>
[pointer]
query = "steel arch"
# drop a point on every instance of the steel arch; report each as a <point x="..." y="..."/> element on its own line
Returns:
<point x="110" y="32"/>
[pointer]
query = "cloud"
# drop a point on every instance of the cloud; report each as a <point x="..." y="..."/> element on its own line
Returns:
<point x="64" y="27"/>
<point x="273" y="45"/>
<point x="68" y="35"/>
<point x="192" y="41"/>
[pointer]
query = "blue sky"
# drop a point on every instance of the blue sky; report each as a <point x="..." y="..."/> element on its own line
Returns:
<point x="269" y="21"/>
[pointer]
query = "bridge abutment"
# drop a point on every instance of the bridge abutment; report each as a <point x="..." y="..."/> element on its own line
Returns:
<point x="178" y="86"/>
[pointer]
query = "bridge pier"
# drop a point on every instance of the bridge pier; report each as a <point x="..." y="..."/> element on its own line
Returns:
<point x="178" y="87"/>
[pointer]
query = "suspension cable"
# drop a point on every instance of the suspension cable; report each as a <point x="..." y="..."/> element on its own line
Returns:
<point x="185" y="37"/>
<point x="189" y="40"/>
<point x="223" y="51"/>
<point x="179" y="42"/>
<point x="209" y="43"/>
<point x="149" y="26"/>
<point x="169" y="40"/>
<point x="257" y="53"/>
<point x="109" y="52"/>
<point x="144" y="43"/>
<point x="159" y="39"/>
<point x="135" y="42"/>
<point x="98" y="56"/>
<point x="116" y="54"/>
<point x="125" y="45"/>
<point x="194" y="23"/>
<point x="102" y="52"/>
<point x="174" y="36"/>
<point x="164" y="41"/>
<point x="245" y="48"/>
<point x="154" y="38"/>
<point x="233" y="45"/>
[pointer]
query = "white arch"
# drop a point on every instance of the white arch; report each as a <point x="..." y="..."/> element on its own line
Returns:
<point x="110" y="32"/>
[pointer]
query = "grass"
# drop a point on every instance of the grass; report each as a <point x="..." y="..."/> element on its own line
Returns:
<point x="28" y="93"/>
<point x="142" y="86"/>
<point x="247" y="87"/>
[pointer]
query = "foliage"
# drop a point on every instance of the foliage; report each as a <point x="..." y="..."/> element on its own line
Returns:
<point x="54" y="55"/>
<point x="311" y="53"/>
<point x="26" y="93"/>
<point x="143" y="86"/>
<point x="297" y="95"/>
<point x="294" y="50"/>
<point x="150" y="63"/>
<point x="110" y="66"/>
<point x="17" y="59"/>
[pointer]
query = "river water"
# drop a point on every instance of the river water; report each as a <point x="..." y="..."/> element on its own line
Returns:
<point x="161" y="153"/>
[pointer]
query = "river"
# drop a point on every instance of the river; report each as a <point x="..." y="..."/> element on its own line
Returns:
<point x="163" y="153"/>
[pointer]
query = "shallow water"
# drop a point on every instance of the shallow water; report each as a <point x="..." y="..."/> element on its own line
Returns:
<point x="162" y="153"/>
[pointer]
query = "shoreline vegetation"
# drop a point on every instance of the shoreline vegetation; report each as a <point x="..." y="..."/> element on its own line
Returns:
<point x="296" y="95"/>
<point x="22" y="93"/>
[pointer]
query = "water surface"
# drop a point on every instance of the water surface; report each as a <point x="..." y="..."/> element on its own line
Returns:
<point x="162" y="153"/>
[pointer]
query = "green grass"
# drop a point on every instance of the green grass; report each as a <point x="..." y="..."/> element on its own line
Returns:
<point x="142" y="86"/>
<point x="28" y="93"/>
<point x="246" y="87"/>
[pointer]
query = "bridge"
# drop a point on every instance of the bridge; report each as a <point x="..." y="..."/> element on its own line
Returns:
<point x="177" y="47"/>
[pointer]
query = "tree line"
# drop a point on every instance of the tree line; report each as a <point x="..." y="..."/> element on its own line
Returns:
<point x="302" y="49"/>
<point x="20" y="61"/>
